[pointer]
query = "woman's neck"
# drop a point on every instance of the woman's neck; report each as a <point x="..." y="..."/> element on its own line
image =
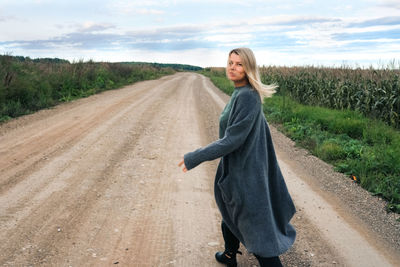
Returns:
<point x="241" y="83"/>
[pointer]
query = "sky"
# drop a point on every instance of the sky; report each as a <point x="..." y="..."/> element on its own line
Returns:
<point x="358" y="33"/>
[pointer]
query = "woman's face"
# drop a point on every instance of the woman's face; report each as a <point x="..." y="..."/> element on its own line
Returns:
<point x="235" y="70"/>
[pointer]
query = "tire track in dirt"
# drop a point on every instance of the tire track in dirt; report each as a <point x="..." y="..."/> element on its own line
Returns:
<point x="62" y="130"/>
<point x="64" y="179"/>
<point x="79" y="152"/>
<point x="111" y="192"/>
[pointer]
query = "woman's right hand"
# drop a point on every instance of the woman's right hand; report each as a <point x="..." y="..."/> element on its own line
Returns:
<point x="183" y="167"/>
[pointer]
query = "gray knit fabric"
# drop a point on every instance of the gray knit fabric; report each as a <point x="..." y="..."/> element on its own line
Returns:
<point x="223" y="119"/>
<point x="249" y="188"/>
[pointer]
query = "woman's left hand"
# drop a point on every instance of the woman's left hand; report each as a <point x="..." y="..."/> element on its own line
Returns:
<point x="183" y="167"/>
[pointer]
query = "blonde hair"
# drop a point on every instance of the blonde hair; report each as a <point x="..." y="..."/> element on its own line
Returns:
<point x="252" y="73"/>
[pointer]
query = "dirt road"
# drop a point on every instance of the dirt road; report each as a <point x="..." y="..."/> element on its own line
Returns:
<point x="95" y="182"/>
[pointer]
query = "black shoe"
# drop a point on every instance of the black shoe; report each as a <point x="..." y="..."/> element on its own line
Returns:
<point x="227" y="257"/>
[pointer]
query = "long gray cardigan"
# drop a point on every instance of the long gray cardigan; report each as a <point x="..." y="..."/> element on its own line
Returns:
<point x="250" y="191"/>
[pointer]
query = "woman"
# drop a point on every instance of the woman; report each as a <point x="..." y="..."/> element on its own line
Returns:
<point x="249" y="188"/>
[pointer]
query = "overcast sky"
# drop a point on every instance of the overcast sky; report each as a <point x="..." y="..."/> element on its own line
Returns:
<point x="201" y="32"/>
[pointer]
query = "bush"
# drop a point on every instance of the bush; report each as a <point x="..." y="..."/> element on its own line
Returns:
<point x="28" y="85"/>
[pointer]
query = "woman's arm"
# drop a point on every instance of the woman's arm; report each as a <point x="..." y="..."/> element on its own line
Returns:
<point x="245" y="110"/>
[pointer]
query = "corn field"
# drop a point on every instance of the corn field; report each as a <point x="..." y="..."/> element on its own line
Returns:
<point x="374" y="93"/>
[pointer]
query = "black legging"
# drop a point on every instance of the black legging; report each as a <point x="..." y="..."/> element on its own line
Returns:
<point x="232" y="244"/>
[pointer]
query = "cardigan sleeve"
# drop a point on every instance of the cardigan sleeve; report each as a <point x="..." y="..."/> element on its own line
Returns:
<point x="244" y="113"/>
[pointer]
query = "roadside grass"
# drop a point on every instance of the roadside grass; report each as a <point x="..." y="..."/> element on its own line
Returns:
<point x="218" y="77"/>
<point x="365" y="149"/>
<point x="28" y="85"/>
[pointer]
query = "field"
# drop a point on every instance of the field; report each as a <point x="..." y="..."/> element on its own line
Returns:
<point x="348" y="118"/>
<point x="28" y="85"/>
<point x="96" y="182"/>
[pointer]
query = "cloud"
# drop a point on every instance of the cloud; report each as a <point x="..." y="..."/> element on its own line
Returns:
<point x="390" y="4"/>
<point x="147" y="11"/>
<point x="76" y="40"/>
<point x="271" y="32"/>
<point x="7" y="18"/>
<point x="91" y="37"/>
<point x="94" y="27"/>
<point x="282" y="20"/>
<point x="295" y="20"/>
<point x="283" y="36"/>
<point x="176" y="32"/>
<point x="137" y="7"/>
<point x="369" y="35"/>
<point x="394" y="20"/>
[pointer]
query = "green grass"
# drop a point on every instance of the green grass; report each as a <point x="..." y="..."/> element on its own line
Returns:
<point x="355" y="145"/>
<point x="219" y="79"/>
<point x="28" y="85"/>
